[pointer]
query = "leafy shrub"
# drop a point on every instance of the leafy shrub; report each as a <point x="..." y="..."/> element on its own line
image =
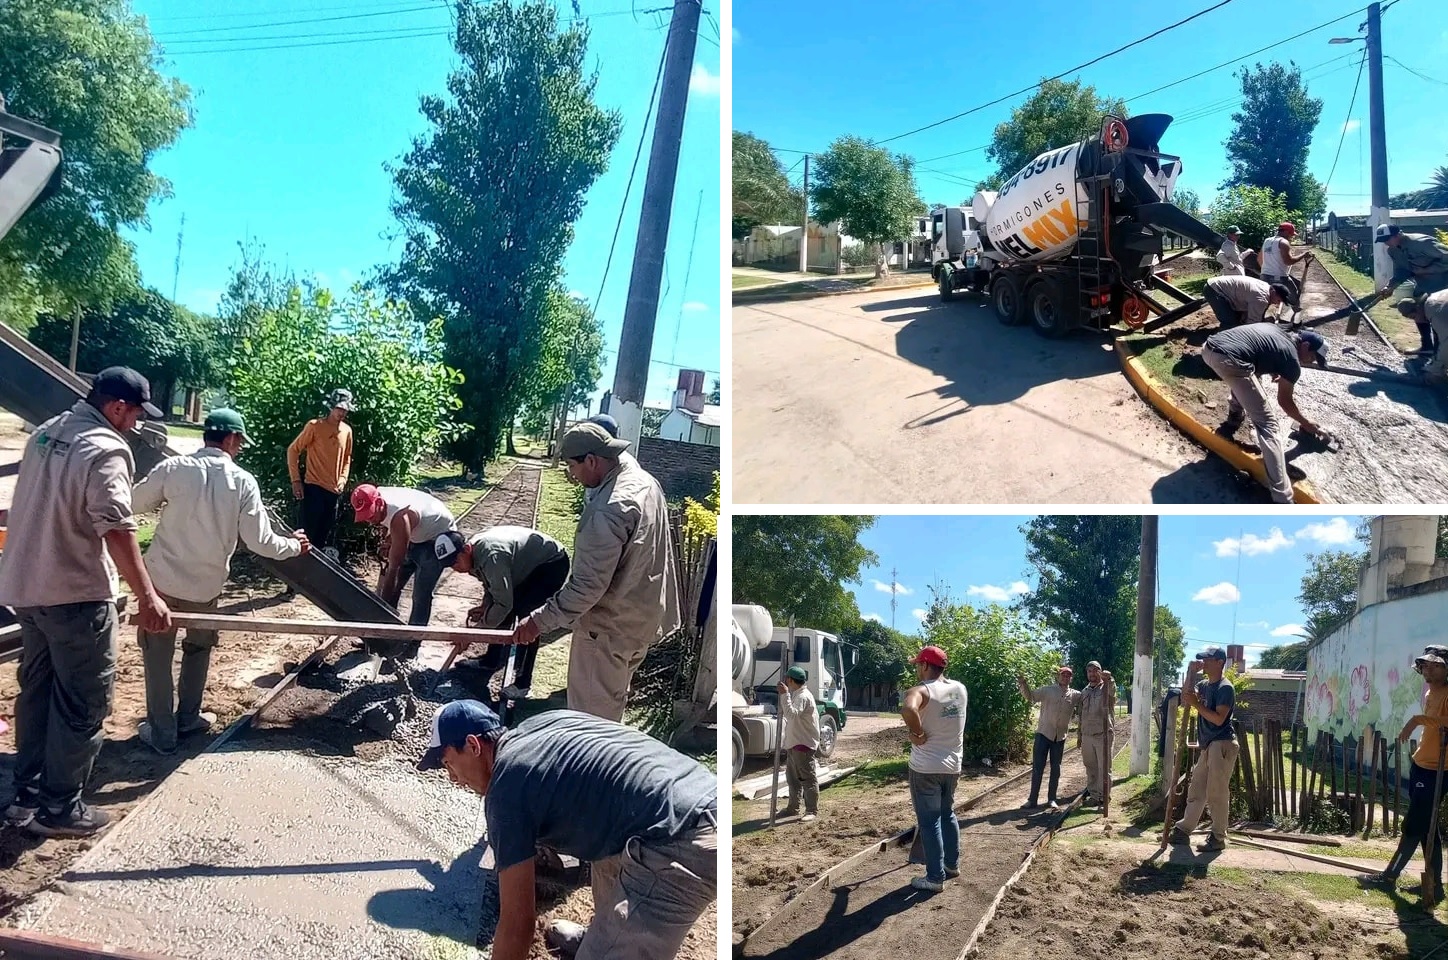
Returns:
<point x="859" y="255"/>
<point x="297" y="354"/>
<point x="701" y="520"/>
<point x="1257" y="210"/>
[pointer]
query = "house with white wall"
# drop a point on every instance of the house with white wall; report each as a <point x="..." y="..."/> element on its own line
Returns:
<point x="692" y="420"/>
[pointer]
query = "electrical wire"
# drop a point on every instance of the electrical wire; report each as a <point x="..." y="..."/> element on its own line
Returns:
<point x="430" y="7"/>
<point x="1421" y="76"/>
<point x="1328" y="182"/>
<point x="307" y="45"/>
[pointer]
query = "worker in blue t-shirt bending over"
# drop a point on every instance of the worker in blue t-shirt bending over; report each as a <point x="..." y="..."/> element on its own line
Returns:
<point x="644" y="815"/>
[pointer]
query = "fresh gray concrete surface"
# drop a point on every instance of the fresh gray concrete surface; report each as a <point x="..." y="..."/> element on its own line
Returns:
<point x="896" y="397"/>
<point x="261" y="851"/>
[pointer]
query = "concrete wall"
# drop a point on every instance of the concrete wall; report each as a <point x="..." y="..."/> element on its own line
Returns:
<point x="682" y="469"/>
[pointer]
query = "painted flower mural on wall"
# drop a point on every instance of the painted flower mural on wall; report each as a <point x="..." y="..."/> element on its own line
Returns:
<point x="1359" y="691"/>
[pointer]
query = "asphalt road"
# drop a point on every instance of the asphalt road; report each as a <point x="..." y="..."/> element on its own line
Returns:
<point x="896" y="397"/>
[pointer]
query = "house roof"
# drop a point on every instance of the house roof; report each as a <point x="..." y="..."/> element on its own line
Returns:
<point x="709" y="418"/>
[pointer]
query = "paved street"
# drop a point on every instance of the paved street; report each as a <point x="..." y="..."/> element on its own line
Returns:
<point x="896" y="397"/>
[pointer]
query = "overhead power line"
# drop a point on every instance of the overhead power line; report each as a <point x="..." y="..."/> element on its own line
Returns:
<point x="391" y="12"/>
<point x="1421" y="76"/>
<point x="1352" y="103"/>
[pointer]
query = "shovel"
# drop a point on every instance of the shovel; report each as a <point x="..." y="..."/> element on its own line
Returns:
<point x="1431" y="893"/>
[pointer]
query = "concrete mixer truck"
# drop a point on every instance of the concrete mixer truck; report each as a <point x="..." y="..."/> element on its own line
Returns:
<point x="1075" y="238"/>
<point x="757" y="653"/>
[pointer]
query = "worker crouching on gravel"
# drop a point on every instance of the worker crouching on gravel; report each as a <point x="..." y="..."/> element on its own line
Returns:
<point x="1058" y="702"/>
<point x="801" y="740"/>
<point x="1098" y="708"/>
<point x="1423" y="776"/>
<point x="1433" y="309"/>
<point x="643" y="814"/>
<point x="413" y="521"/>
<point x="1215" y="699"/>
<point x="1237" y="300"/>
<point x="1242" y="354"/>
<point x="1419" y="258"/>
<point x="934" y="713"/>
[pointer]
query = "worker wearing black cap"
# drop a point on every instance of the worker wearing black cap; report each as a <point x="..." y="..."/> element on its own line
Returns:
<point x="1242" y="354"/>
<point x="644" y="815"/>
<point x="1423" y="260"/>
<point x="1215" y="699"/>
<point x="71" y="527"/>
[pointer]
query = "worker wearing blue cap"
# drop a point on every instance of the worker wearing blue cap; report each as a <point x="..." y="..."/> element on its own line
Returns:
<point x="643" y="814"/>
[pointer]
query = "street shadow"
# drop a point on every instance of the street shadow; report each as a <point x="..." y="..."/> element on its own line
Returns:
<point x="1153" y="878"/>
<point x="1424" y="400"/>
<point x="923" y="302"/>
<point x="1421" y="928"/>
<point x="1025" y="821"/>
<point x="841" y="927"/>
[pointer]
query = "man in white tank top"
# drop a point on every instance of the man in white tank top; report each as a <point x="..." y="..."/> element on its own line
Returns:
<point x="413" y="520"/>
<point x="934" y="713"/>
<point x="1277" y="256"/>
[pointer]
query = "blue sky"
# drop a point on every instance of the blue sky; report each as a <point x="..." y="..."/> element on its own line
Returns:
<point x="806" y="73"/>
<point x="1217" y="573"/>
<point x="289" y="145"/>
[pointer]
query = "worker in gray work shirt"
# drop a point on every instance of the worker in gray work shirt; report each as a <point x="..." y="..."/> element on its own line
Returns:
<point x="520" y="569"/>
<point x="1239" y="300"/>
<point x="1434" y="307"/>
<point x="1058" y="702"/>
<point x="1211" y="789"/>
<point x="1421" y="259"/>
<point x="71" y="526"/>
<point x="622" y="594"/>
<point x="1242" y="354"/>
<point x="1229" y="254"/>
<point x="1098" y="708"/>
<point x="209" y="501"/>
<point x="644" y="816"/>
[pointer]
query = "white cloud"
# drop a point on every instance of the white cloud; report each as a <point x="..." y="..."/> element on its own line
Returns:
<point x="918" y="613"/>
<point x="899" y="589"/>
<point x="1258" y="624"/>
<point x="694" y="306"/>
<point x="1218" y="594"/>
<point x="873" y="616"/>
<point x="997" y="594"/>
<point x="1289" y="630"/>
<point x="702" y="82"/>
<point x="1252" y="545"/>
<point x="1333" y="533"/>
<point x="1350" y="126"/>
<point x="577" y="294"/>
<point x="734" y="34"/>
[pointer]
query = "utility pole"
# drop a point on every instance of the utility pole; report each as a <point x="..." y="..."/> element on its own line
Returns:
<point x="631" y="374"/>
<point x="176" y="275"/>
<point x="1379" y="213"/>
<point x="804" y="235"/>
<point x="894" y="592"/>
<point x="74" y="337"/>
<point x="1143" y="664"/>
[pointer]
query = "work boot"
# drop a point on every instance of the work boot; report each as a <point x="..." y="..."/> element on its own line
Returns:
<point x="23" y="808"/>
<point x="565" y="936"/>
<point x="1230" y="425"/>
<point x="789" y="812"/>
<point x="147" y="735"/>
<point x="1179" y="837"/>
<point x="951" y="873"/>
<point x="808" y="818"/>
<point x="81" y="820"/>
<point x="512" y="692"/>
<point x="201" y="723"/>
<point x="1384" y="879"/>
<point x="1214" y="842"/>
<point x="926" y="884"/>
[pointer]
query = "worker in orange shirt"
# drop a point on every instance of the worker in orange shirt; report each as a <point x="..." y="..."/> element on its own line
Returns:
<point x="327" y="442"/>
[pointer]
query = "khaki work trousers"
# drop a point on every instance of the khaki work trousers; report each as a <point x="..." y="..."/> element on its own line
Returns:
<point x="1093" y="755"/>
<point x="600" y="668"/>
<point x="1247" y="395"/>
<point x="646" y="899"/>
<point x="800" y="775"/>
<point x="1211" y="788"/>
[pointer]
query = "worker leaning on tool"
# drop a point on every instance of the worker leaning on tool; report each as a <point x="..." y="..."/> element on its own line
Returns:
<point x="413" y="521"/>
<point x="1421" y="259"/>
<point x="1242" y="354"/>
<point x="643" y="814"/>
<point x="801" y="741"/>
<point x="1215" y="699"/>
<point x="1238" y="300"/>
<point x="622" y="594"/>
<point x="520" y="569"/>
<point x="1277" y="258"/>
<point x="1423" y="775"/>
<point x="1058" y="702"/>
<point x="1097" y="706"/>
<point x="327" y="444"/>
<point x="71" y="526"/>
<point x="209" y="501"/>
<point x="1433" y="309"/>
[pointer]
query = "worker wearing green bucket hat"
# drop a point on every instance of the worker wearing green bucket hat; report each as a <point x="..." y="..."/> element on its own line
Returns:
<point x="801" y="740"/>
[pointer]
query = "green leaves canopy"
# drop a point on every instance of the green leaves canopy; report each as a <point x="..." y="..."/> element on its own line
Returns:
<point x="1060" y="113"/>
<point x="798" y="565"/>
<point x="870" y="192"/>
<point x="1271" y="136"/>
<point x="1257" y="210"/>
<point x="761" y="190"/>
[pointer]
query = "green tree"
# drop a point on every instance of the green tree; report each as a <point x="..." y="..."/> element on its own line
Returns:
<point x="1086" y="569"/>
<point x="987" y="648"/>
<point x="761" y="190"/>
<point x="652" y="420"/>
<point x="255" y="288"/>
<point x="168" y="344"/>
<point x="1272" y="133"/>
<point x="1187" y="199"/>
<point x="1329" y="590"/>
<point x="1169" y="649"/>
<point x="1314" y="200"/>
<point x="377" y="349"/>
<point x="871" y="193"/>
<point x="1058" y="114"/>
<point x="1257" y="210"/>
<point x="798" y="565"/>
<point x="87" y="69"/>
<point x="487" y="199"/>
<point x="568" y="367"/>
<point x="714" y="395"/>
<point x="1288" y="656"/>
<point x="882" y="654"/>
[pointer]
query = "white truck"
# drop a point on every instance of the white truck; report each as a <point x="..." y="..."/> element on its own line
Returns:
<point x="1075" y="238"/>
<point x="758" y="655"/>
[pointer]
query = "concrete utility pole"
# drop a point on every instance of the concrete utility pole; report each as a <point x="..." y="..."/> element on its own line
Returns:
<point x="74" y="337"/>
<point x="631" y="375"/>
<point x="894" y="592"/>
<point x="1142" y="666"/>
<point x="804" y="234"/>
<point x="1380" y="213"/>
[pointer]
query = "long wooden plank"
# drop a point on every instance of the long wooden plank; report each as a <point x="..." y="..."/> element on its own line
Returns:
<point x="1330" y="861"/>
<point x="345" y="628"/>
<point x="28" y="945"/>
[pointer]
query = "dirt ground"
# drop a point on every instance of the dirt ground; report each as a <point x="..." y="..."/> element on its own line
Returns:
<point x="1394" y="435"/>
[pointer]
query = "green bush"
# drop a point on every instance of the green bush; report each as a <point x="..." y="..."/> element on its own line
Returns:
<point x="859" y="255"/>
<point x="297" y="354"/>
<point x="1257" y="210"/>
<point x="701" y="520"/>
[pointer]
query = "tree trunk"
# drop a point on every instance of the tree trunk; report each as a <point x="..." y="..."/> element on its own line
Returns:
<point x="512" y="450"/>
<point x="882" y="267"/>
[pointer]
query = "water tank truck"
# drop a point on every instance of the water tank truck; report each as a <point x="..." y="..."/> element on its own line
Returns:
<point x="1074" y="239"/>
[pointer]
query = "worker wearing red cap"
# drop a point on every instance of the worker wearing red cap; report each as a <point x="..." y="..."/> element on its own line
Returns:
<point x="1277" y="258"/>
<point x="934" y="713"/>
<point x="1058" y="702"/>
<point x="413" y="521"/>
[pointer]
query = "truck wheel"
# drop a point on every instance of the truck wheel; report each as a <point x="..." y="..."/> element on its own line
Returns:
<point x="1005" y="297"/>
<point x="947" y="286"/>
<point x="1047" y="308"/>
<point x="737" y="742"/>
<point x="829" y="734"/>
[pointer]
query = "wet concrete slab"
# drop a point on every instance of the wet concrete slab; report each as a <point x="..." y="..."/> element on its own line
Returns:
<point x="259" y="852"/>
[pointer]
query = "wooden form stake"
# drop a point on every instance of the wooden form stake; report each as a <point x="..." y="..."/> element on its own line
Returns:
<point x="29" y="945"/>
<point x="344" y="628"/>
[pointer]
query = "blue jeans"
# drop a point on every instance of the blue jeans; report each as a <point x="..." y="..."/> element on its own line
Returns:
<point x="933" y="796"/>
